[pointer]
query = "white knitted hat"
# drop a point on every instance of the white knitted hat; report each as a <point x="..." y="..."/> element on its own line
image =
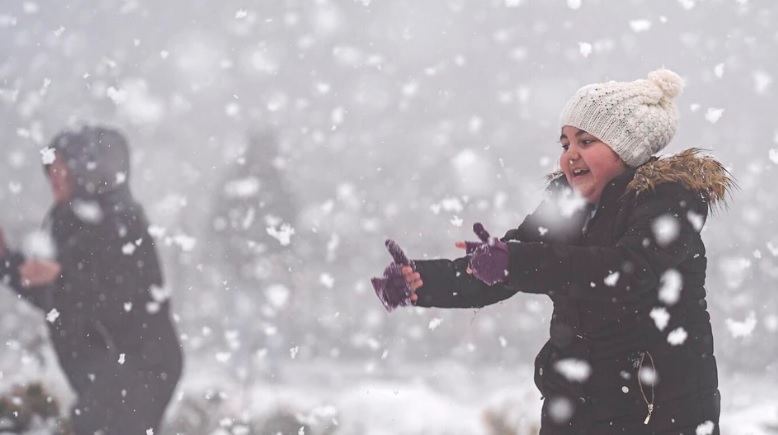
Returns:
<point x="636" y="119"/>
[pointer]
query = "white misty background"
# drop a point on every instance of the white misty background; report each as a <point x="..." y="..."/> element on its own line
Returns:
<point x="277" y="144"/>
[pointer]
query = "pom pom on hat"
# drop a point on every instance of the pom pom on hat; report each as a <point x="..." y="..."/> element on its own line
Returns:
<point x="669" y="82"/>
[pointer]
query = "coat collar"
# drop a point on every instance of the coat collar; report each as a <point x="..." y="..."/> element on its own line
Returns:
<point x="699" y="173"/>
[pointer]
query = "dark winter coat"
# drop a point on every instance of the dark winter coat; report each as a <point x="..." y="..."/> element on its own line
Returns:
<point x="604" y="277"/>
<point x="112" y="333"/>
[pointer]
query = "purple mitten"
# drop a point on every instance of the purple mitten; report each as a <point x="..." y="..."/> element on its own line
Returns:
<point x="489" y="261"/>
<point x="392" y="289"/>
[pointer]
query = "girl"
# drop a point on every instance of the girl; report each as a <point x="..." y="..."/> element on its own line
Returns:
<point x="112" y="333"/>
<point x="630" y="348"/>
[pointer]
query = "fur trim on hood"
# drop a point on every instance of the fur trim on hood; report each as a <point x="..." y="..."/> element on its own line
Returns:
<point x="695" y="171"/>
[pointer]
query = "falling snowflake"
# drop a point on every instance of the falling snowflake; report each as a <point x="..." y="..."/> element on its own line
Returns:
<point x="293" y="351"/>
<point x="677" y="336"/>
<point x="611" y="279"/>
<point x="661" y="317"/>
<point x="277" y="295"/>
<point x="118" y="96"/>
<point x="773" y="154"/>
<point x="39" y="244"/>
<point x="48" y="155"/>
<point x="560" y="409"/>
<point x="585" y="48"/>
<point x="88" y="211"/>
<point x="283" y="234"/>
<point x="327" y="280"/>
<point x="705" y="428"/>
<point x="773" y="249"/>
<point x="640" y="25"/>
<point x="762" y="81"/>
<point x="569" y="202"/>
<point x="128" y="249"/>
<point x="686" y="4"/>
<point x="121" y="358"/>
<point x="448" y="204"/>
<point x="713" y="114"/>
<point x="718" y="70"/>
<point x="574" y="370"/>
<point x="744" y="328"/>
<point x="670" y="287"/>
<point x="648" y="376"/>
<point x="696" y="219"/>
<point x="666" y="230"/>
<point x="434" y="323"/>
<point x="52" y="315"/>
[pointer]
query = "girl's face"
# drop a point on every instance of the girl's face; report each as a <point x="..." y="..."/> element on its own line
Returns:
<point x="60" y="180"/>
<point x="588" y="163"/>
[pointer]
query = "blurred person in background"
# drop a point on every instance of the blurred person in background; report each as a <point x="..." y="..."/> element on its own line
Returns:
<point x="616" y="246"/>
<point x="108" y="316"/>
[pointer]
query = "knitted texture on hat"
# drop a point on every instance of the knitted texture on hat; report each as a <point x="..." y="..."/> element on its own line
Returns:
<point x="636" y="119"/>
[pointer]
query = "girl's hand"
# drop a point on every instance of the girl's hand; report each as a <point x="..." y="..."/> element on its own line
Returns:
<point x="489" y="259"/>
<point x="399" y="282"/>
<point x="413" y="280"/>
<point x="36" y="273"/>
<point x="468" y="247"/>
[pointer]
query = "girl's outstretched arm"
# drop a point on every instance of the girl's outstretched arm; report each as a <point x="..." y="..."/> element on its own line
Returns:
<point x="634" y="265"/>
<point x="448" y="284"/>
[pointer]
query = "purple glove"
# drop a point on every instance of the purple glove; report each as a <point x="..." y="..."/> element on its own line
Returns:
<point x="392" y="289"/>
<point x="490" y="258"/>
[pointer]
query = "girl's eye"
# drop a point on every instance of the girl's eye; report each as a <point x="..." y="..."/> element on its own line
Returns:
<point x="587" y="141"/>
<point x="565" y="146"/>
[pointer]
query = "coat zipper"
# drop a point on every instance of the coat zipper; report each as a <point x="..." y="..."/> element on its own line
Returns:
<point x="649" y="403"/>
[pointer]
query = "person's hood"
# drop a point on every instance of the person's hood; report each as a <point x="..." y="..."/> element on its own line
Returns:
<point x="98" y="158"/>
<point x="697" y="172"/>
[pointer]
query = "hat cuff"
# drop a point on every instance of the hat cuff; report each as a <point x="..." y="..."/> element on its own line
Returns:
<point x="614" y="134"/>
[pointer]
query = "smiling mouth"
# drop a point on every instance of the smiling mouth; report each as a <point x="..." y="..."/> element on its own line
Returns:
<point x="580" y="172"/>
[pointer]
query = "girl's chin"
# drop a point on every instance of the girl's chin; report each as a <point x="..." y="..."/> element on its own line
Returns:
<point x="586" y="191"/>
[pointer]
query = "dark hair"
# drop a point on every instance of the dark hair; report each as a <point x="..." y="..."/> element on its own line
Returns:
<point x="97" y="156"/>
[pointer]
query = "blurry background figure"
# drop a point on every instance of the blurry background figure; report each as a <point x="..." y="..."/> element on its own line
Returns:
<point x="251" y="230"/>
<point x="107" y="311"/>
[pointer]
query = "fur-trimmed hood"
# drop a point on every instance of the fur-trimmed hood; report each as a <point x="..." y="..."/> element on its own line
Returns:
<point x="691" y="168"/>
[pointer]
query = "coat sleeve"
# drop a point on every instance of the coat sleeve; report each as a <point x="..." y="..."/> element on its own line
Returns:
<point x="659" y="236"/>
<point x="448" y="285"/>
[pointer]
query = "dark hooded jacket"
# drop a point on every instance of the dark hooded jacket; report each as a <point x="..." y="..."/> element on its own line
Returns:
<point x="629" y="298"/>
<point x="108" y="317"/>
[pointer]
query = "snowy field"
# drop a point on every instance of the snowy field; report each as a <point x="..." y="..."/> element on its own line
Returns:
<point x="443" y="398"/>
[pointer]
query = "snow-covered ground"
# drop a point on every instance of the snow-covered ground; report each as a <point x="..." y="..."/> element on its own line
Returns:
<point x="348" y="398"/>
<point x="442" y="398"/>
